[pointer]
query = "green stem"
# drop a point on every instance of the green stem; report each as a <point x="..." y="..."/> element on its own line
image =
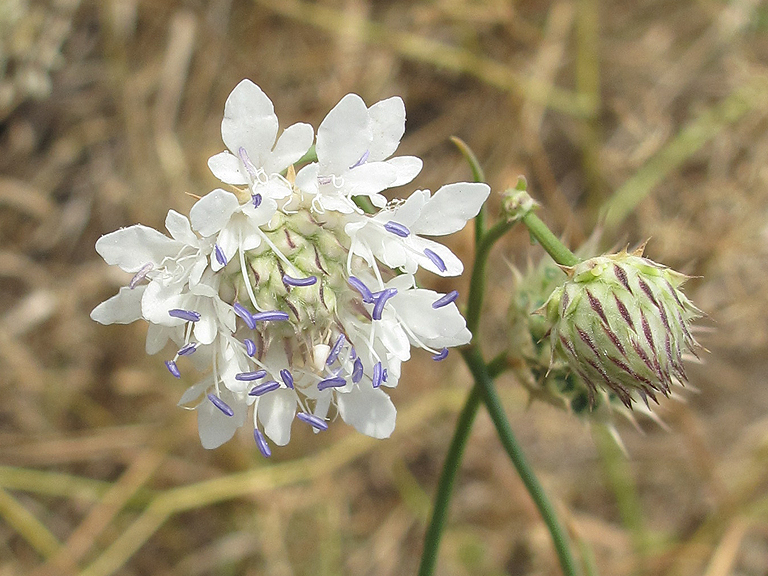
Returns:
<point x="445" y="486"/>
<point x="483" y="380"/>
<point x="549" y="241"/>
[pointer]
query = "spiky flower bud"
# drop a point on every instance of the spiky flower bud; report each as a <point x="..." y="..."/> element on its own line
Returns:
<point x="623" y="324"/>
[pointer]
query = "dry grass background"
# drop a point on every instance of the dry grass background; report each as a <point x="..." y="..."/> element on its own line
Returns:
<point x="108" y="113"/>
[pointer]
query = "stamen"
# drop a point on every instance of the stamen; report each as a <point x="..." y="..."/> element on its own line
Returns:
<point x="256" y="199"/>
<point x="436" y="260"/>
<point x="172" y="368"/>
<point x="334" y="382"/>
<point x="247" y="162"/>
<point x="274" y="315"/>
<point x="352" y="353"/>
<point x="445" y="300"/>
<point x="357" y="371"/>
<point x="381" y="300"/>
<point x="291" y="281"/>
<point x="334" y="353"/>
<point x="247" y="317"/>
<point x="358" y="285"/>
<point x="187" y="350"/>
<point x="287" y="378"/>
<point x="384" y="375"/>
<point x="140" y="275"/>
<point x="377" y="374"/>
<point x="221" y="405"/>
<point x="397" y="229"/>
<point x="188" y="315"/>
<point x="250" y="376"/>
<point x="362" y="160"/>
<point x="262" y="389"/>
<point x="261" y="442"/>
<point x="312" y="420"/>
<point x="250" y="347"/>
<point x="220" y="258"/>
<point x="440" y="355"/>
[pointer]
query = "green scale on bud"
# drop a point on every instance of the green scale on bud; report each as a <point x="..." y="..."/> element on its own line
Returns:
<point x="621" y="323"/>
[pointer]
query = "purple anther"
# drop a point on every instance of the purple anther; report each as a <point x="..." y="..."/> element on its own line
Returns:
<point x="377" y="374"/>
<point x="291" y="281"/>
<point x="384" y="375"/>
<point x="250" y="376"/>
<point x="440" y="355"/>
<point x="333" y="382"/>
<point x="247" y="161"/>
<point x="220" y="258"/>
<point x="261" y="442"/>
<point x="172" y="368"/>
<point x="358" y="285"/>
<point x="381" y="300"/>
<point x="357" y="371"/>
<point x="188" y="349"/>
<point x="188" y="315"/>
<point x="334" y="353"/>
<point x="312" y="420"/>
<point x="362" y="160"/>
<point x="221" y="405"/>
<point x="287" y="378"/>
<point x="140" y="275"/>
<point x="352" y="353"/>
<point x="397" y="229"/>
<point x="247" y="317"/>
<point x="323" y="180"/>
<point x="256" y="200"/>
<point x="445" y="300"/>
<point x="250" y="347"/>
<point x="436" y="260"/>
<point x="262" y="389"/>
<point x="274" y="315"/>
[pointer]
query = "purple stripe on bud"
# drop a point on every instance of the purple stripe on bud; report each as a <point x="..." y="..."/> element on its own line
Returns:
<point x="187" y="350"/>
<point x="220" y="258"/>
<point x="291" y="281"/>
<point x="358" y="285"/>
<point x="287" y="378"/>
<point x="440" y="355"/>
<point x="397" y="229"/>
<point x="256" y="199"/>
<point x="362" y="160"/>
<point x="357" y="371"/>
<point x="250" y="347"/>
<point x="247" y="161"/>
<point x="377" y="374"/>
<point x="140" y="275"/>
<point x="247" y="317"/>
<point x="250" y="376"/>
<point x="436" y="260"/>
<point x="445" y="300"/>
<point x="261" y="442"/>
<point x="334" y="382"/>
<point x="221" y="405"/>
<point x="172" y="368"/>
<point x="188" y="315"/>
<point x="312" y="420"/>
<point x="381" y="300"/>
<point x="334" y="353"/>
<point x="274" y="315"/>
<point x="263" y="388"/>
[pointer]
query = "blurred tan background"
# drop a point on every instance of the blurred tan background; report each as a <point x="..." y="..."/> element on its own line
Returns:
<point x="108" y="113"/>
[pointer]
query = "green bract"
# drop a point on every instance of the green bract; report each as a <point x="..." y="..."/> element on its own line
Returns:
<point x="622" y="324"/>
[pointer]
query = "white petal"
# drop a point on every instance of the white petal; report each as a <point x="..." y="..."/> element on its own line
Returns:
<point x="453" y="266"/>
<point x="437" y="328"/>
<point x="212" y="212"/>
<point x="387" y="127"/>
<point x="394" y="339"/>
<point x="276" y="411"/>
<point x="409" y="211"/>
<point x="249" y="122"/>
<point x="158" y="300"/>
<point x="369" y="410"/>
<point x="227" y="168"/>
<point x="123" y="308"/>
<point x="407" y="168"/>
<point x="214" y="426"/>
<point x="343" y="136"/>
<point x="133" y="247"/>
<point x="292" y="145"/>
<point x="369" y="178"/>
<point x="306" y="179"/>
<point x="157" y="338"/>
<point x="193" y="392"/>
<point x="179" y="228"/>
<point x="450" y="208"/>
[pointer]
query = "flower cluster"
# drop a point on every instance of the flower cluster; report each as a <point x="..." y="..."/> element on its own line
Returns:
<point x="296" y="303"/>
